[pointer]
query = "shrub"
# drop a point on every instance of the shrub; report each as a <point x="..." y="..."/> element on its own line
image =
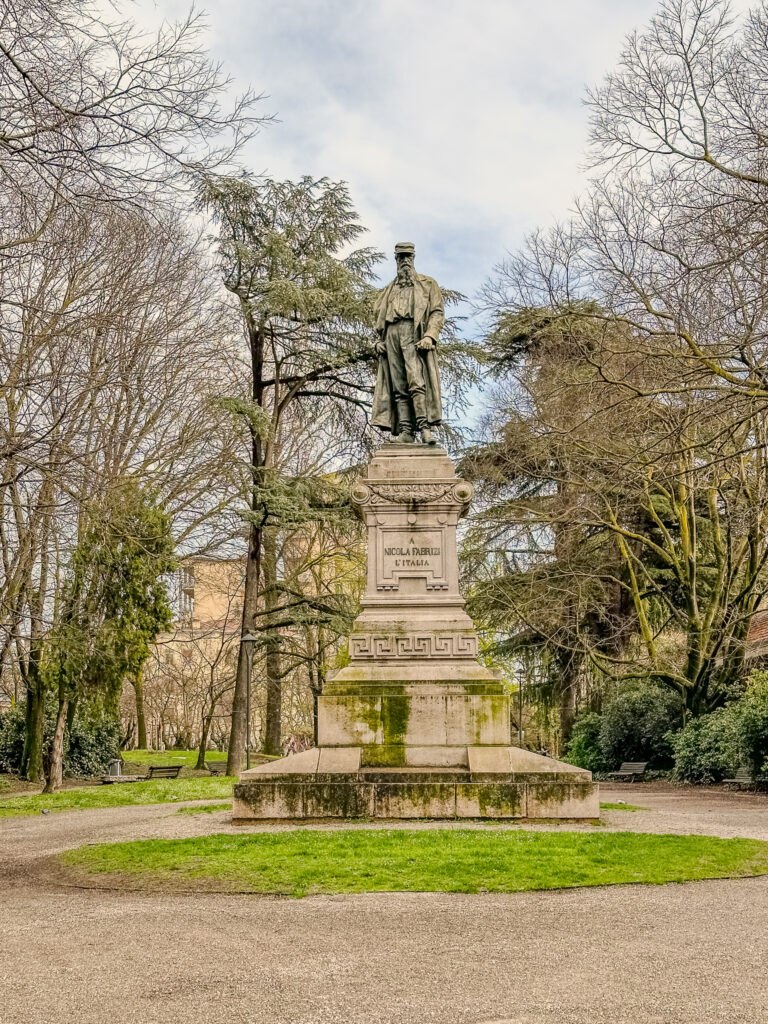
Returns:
<point x="92" y="742"/>
<point x="636" y="724"/>
<point x="753" y="723"/>
<point x="584" y="746"/>
<point x="12" y="739"/>
<point x="707" y="748"/>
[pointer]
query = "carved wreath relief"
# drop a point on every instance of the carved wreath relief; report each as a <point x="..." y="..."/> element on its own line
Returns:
<point x="412" y="493"/>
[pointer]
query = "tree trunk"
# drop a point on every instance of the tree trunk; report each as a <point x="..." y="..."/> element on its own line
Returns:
<point x="315" y="707"/>
<point x="272" y="724"/>
<point x="236" y="751"/>
<point x="567" y="712"/>
<point x="237" y="735"/>
<point x="569" y="682"/>
<point x="56" y="766"/>
<point x="201" y="751"/>
<point x="141" y="718"/>
<point x="316" y="670"/>
<point x="32" y="757"/>
<point x="71" y="712"/>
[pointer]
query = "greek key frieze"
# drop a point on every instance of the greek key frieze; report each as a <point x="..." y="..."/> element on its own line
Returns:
<point x="413" y="645"/>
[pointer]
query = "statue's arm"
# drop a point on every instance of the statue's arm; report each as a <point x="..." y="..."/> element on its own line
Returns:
<point x="379" y="328"/>
<point x="436" y="317"/>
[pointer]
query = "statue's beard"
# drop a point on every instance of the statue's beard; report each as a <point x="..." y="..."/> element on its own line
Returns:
<point x="405" y="275"/>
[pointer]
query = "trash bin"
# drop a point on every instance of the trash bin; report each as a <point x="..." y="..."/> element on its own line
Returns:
<point x="116" y="767"/>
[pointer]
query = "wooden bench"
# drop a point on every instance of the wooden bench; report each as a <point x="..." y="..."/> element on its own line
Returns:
<point x="216" y="767"/>
<point x="164" y="771"/>
<point x="743" y="777"/>
<point x="631" y="770"/>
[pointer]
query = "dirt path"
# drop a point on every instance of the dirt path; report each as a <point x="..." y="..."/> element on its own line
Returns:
<point x="692" y="954"/>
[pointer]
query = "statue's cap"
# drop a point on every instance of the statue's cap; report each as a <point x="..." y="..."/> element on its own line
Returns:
<point x="405" y="247"/>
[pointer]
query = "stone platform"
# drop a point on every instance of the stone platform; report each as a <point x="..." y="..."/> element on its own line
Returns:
<point x="415" y="725"/>
<point x="502" y="782"/>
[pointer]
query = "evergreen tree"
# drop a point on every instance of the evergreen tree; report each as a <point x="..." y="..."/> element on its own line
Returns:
<point x="114" y="605"/>
<point x="304" y="297"/>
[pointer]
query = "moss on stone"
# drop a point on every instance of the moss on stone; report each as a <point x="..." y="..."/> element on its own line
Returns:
<point x="271" y="799"/>
<point x="494" y="799"/>
<point x="339" y="800"/>
<point x="395" y="712"/>
<point x="384" y="755"/>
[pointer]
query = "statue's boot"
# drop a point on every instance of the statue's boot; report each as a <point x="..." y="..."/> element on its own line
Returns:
<point x="420" y="411"/>
<point x="406" y="422"/>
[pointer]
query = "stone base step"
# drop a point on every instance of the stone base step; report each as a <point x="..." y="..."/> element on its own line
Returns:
<point x="408" y="793"/>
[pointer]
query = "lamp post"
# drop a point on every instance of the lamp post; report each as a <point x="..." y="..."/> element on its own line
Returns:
<point x="520" y="730"/>
<point x="249" y="639"/>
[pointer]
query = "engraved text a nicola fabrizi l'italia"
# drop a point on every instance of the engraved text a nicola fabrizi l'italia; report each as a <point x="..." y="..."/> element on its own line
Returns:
<point x="411" y="555"/>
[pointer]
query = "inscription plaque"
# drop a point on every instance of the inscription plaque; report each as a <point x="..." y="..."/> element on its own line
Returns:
<point x="411" y="552"/>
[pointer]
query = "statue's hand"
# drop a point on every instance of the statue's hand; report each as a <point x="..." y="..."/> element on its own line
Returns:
<point x="381" y="348"/>
<point x="425" y="344"/>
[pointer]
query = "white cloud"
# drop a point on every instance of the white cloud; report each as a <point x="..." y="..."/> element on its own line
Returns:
<point x="458" y="123"/>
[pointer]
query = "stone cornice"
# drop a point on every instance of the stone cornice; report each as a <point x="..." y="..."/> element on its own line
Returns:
<point x="452" y="492"/>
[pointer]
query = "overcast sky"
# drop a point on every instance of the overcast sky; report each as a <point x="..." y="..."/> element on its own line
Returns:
<point x="457" y="123"/>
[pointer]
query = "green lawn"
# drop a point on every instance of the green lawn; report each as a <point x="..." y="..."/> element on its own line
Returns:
<point x="187" y="758"/>
<point x="299" y="863"/>
<point x="120" y="795"/>
<point x="621" y="807"/>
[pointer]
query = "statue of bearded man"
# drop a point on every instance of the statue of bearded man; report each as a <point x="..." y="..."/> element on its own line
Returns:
<point x="409" y="315"/>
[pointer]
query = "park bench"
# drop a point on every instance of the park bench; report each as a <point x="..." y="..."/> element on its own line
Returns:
<point x="743" y="777"/>
<point x="216" y="767"/>
<point x="164" y="771"/>
<point x="630" y="770"/>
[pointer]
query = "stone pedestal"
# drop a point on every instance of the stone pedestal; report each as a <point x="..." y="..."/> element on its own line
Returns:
<point x="415" y="725"/>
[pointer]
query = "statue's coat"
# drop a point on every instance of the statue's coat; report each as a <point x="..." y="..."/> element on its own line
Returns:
<point x="428" y="318"/>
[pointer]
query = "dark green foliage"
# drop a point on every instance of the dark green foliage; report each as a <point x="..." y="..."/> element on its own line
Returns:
<point x="12" y="739"/>
<point x="712" y="747"/>
<point x="635" y="725"/>
<point x="584" y="748"/>
<point x="753" y="724"/>
<point x="115" y="601"/>
<point x="91" y="743"/>
<point x="707" y="749"/>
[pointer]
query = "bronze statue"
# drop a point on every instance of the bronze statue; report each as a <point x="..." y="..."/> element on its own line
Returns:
<point x="409" y="316"/>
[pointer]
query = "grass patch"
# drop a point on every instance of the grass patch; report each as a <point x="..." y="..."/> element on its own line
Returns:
<point x="622" y="807"/>
<point x="123" y="794"/>
<point x="186" y="758"/>
<point x="204" y="809"/>
<point x="300" y="863"/>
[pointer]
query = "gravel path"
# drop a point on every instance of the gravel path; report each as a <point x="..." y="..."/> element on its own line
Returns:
<point x="692" y="954"/>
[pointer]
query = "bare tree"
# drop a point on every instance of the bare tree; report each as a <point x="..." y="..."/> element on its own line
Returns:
<point x="626" y="534"/>
<point x="94" y="107"/>
<point x="670" y="239"/>
<point x="113" y="351"/>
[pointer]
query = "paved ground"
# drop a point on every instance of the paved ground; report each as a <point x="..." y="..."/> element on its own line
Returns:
<point x="692" y="954"/>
